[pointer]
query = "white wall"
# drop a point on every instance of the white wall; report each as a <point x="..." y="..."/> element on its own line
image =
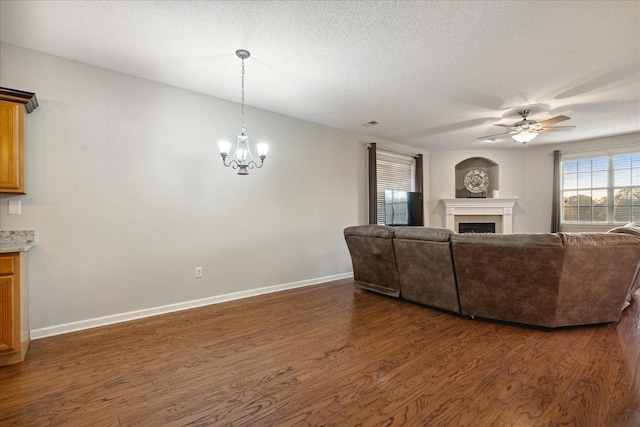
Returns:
<point x="526" y="174"/>
<point x="127" y="194"/>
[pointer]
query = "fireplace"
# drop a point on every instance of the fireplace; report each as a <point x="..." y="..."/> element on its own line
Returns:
<point x="476" y="227"/>
<point x="477" y="210"/>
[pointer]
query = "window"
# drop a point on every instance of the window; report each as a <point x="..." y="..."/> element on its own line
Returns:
<point x="394" y="172"/>
<point x="601" y="189"/>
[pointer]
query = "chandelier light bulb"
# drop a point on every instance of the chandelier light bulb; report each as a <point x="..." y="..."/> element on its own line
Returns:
<point x="224" y="147"/>
<point x="241" y="155"/>
<point x="263" y="149"/>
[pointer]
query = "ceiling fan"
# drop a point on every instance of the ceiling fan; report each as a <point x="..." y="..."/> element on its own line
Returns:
<point x="525" y="130"/>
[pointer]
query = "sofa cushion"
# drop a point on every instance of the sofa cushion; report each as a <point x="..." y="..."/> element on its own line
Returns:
<point x="529" y="240"/>
<point x="430" y="234"/>
<point x="372" y="230"/>
<point x="598" y="239"/>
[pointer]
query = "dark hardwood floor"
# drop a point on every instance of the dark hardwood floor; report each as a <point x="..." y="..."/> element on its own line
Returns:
<point x="327" y="355"/>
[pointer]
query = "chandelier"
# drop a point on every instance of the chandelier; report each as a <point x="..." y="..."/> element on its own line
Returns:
<point x="242" y="158"/>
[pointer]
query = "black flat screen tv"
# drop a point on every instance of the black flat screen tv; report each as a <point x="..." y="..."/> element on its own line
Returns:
<point x="403" y="208"/>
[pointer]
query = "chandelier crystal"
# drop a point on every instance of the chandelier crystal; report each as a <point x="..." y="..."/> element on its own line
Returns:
<point x="242" y="159"/>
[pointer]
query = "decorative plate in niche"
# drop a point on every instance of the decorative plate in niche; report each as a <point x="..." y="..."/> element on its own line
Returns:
<point x="476" y="181"/>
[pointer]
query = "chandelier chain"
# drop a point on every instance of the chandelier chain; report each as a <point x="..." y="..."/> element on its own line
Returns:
<point x="242" y="96"/>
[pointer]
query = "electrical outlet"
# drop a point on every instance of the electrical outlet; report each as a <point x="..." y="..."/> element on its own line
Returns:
<point x="15" y="207"/>
<point x="198" y="272"/>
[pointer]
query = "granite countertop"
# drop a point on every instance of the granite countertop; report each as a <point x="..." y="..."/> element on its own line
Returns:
<point x="16" y="240"/>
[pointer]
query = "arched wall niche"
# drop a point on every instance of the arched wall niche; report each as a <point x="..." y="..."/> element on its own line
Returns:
<point x="487" y="165"/>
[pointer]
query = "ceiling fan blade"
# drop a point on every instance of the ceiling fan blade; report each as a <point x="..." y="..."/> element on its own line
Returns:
<point x="506" y="126"/>
<point x="497" y="135"/>
<point x="556" y="128"/>
<point x="553" y="120"/>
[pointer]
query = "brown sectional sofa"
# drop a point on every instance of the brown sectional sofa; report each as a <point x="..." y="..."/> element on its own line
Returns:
<point x="543" y="279"/>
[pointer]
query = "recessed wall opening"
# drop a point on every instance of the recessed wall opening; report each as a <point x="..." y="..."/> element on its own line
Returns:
<point x="477" y="227"/>
<point x="477" y="177"/>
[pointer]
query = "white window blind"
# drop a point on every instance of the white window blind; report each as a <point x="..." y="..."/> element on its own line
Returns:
<point x="394" y="172"/>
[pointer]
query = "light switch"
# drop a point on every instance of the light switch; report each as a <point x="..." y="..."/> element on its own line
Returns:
<point x="15" y="207"/>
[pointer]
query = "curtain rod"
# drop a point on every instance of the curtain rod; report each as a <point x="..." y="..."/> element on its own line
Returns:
<point x="392" y="152"/>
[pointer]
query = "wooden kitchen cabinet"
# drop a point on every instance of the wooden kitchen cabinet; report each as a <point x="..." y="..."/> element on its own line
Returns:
<point x="14" y="307"/>
<point x="13" y="105"/>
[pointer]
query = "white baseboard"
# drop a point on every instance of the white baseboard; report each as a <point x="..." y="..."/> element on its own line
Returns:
<point x="148" y="312"/>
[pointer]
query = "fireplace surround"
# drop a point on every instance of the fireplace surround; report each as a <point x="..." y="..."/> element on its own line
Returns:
<point x="499" y="211"/>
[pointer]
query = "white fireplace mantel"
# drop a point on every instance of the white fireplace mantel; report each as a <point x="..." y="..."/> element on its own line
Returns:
<point x="480" y="206"/>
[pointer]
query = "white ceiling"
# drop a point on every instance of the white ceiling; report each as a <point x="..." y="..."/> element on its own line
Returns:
<point x="435" y="75"/>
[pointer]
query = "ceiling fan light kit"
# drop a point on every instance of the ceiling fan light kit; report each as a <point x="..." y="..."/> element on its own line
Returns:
<point x="524" y="136"/>
<point x="526" y="130"/>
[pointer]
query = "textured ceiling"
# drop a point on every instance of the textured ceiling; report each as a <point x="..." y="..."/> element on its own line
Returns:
<point x="435" y="75"/>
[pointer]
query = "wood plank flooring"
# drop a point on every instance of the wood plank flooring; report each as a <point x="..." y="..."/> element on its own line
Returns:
<point x="327" y="355"/>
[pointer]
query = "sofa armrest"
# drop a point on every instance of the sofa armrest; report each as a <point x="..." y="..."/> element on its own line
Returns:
<point x="633" y="228"/>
